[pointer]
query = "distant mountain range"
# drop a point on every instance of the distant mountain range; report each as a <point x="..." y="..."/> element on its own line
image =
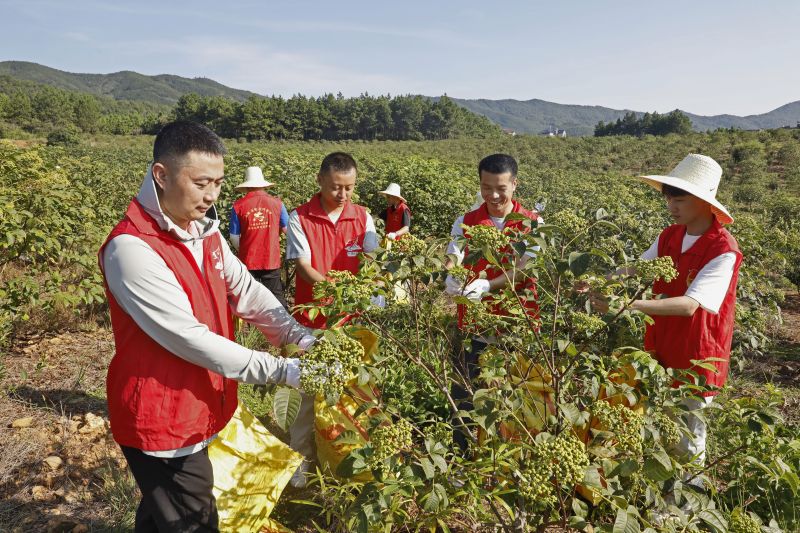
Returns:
<point x="124" y="85"/>
<point x="535" y="116"/>
<point x="529" y="116"/>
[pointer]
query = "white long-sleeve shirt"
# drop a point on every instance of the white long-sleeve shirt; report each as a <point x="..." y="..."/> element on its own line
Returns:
<point x="147" y="290"/>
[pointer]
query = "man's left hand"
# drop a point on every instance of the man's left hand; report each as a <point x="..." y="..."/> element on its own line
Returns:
<point x="475" y="290"/>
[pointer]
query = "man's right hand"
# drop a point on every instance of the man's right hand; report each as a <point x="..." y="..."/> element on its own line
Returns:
<point x="452" y="286"/>
<point x="598" y="300"/>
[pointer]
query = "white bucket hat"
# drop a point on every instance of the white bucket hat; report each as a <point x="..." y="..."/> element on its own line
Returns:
<point x="698" y="175"/>
<point x="393" y="190"/>
<point x="254" y="178"/>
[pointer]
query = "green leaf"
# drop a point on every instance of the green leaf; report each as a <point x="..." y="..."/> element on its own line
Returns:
<point x="625" y="468"/>
<point x="354" y="463"/>
<point x="592" y="478"/>
<point x="580" y="508"/>
<point x="285" y="405"/>
<point x="658" y="467"/>
<point x="435" y="499"/>
<point x="578" y="262"/>
<point x="349" y="437"/>
<point x="608" y="225"/>
<point x="714" y="519"/>
<point x="625" y="523"/>
<point x="427" y="467"/>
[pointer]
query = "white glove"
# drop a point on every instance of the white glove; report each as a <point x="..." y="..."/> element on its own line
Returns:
<point x="475" y="290"/>
<point x="293" y="373"/>
<point x="306" y="342"/>
<point x="452" y="286"/>
<point x="391" y="236"/>
<point x="378" y="301"/>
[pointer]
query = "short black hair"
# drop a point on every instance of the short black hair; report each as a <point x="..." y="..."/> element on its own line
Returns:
<point x="498" y="164"/>
<point x="337" y="162"/>
<point x="672" y="192"/>
<point x="180" y="137"/>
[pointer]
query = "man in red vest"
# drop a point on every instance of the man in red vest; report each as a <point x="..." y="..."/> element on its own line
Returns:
<point x="695" y="313"/>
<point x="498" y="181"/>
<point x="172" y="285"/>
<point x="326" y="233"/>
<point x="257" y="220"/>
<point x="397" y="215"/>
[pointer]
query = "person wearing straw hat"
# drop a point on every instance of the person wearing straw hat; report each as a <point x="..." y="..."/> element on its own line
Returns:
<point x="693" y="318"/>
<point x="257" y="219"/>
<point x="397" y="215"/>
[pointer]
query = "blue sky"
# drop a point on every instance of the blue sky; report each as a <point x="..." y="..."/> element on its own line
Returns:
<point x="706" y="57"/>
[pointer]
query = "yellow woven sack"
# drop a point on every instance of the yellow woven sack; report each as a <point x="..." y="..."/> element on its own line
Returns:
<point x="251" y="468"/>
<point x="333" y="420"/>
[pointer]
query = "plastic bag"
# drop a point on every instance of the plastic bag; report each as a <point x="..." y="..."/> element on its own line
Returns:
<point x="251" y="468"/>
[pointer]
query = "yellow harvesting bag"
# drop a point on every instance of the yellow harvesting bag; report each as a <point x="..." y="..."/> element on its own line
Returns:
<point x="333" y="420"/>
<point x="251" y="468"/>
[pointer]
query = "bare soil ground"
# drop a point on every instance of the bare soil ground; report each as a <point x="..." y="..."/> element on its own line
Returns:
<point x="60" y="471"/>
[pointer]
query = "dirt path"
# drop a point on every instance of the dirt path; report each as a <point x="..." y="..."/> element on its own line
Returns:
<point x="781" y="364"/>
<point x="59" y="468"/>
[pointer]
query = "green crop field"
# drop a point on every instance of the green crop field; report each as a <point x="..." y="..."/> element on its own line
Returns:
<point x="575" y="423"/>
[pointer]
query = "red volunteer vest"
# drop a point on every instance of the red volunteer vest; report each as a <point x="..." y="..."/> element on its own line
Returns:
<point x="333" y="247"/>
<point x="259" y="216"/>
<point x="156" y="400"/>
<point x="481" y="217"/>
<point x="394" y="217"/>
<point x="676" y="340"/>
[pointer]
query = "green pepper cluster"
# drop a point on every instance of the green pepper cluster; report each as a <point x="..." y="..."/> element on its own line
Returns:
<point x="407" y="246"/>
<point x="623" y="423"/>
<point x="660" y="268"/>
<point x="330" y="363"/>
<point x="560" y="462"/>
<point x="568" y="222"/>
<point x="459" y="272"/>
<point x="490" y="237"/>
<point x="667" y="428"/>
<point x="389" y="440"/>
<point x="353" y="287"/>
<point x="586" y="323"/>
<point x="439" y="432"/>
<point x="742" y="522"/>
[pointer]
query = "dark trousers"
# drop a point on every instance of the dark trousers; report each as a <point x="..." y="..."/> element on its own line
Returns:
<point x="271" y="279"/>
<point x="465" y="364"/>
<point x="176" y="493"/>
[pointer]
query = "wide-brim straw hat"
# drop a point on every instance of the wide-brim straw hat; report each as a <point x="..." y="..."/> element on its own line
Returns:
<point x="699" y="175"/>
<point x="254" y="178"/>
<point x="393" y="190"/>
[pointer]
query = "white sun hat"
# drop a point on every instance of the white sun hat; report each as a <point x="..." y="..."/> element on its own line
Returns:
<point x="698" y="175"/>
<point x="478" y="201"/>
<point x="393" y="190"/>
<point x="254" y="178"/>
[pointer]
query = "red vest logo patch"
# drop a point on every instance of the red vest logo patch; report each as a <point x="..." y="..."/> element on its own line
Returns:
<point x="258" y="218"/>
<point x="218" y="264"/>
<point x="353" y="249"/>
